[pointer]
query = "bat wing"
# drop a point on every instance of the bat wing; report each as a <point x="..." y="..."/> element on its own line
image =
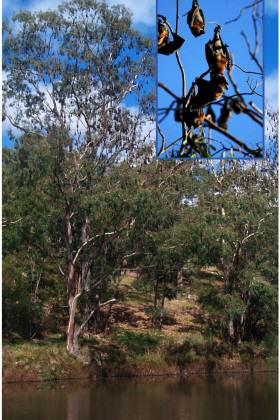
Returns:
<point x="229" y="58"/>
<point x="209" y="53"/>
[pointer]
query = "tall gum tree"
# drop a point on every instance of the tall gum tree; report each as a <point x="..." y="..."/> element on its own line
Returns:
<point x="67" y="75"/>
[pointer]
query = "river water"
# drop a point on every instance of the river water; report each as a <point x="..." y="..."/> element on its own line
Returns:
<point x="222" y="397"/>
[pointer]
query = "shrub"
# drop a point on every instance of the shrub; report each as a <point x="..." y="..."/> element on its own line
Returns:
<point x="137" y="343"/>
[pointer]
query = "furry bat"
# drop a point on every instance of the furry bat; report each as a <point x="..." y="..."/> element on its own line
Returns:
<point x="165" y="46"/>
<point x="217" y="54"/>
<point x="196" y="19"/>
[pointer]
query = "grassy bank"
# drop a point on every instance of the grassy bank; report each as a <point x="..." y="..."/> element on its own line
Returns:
<point x="126" y="354"/>
<point x="33" y="362"/>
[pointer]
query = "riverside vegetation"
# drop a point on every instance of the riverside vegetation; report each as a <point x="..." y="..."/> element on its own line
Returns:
<point x="113" y="262"/>
<point x="192" y="282"/>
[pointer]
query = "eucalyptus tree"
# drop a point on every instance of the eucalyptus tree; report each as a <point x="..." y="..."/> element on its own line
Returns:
<point x="242" y="202"/>
<point x="68" y="73"/>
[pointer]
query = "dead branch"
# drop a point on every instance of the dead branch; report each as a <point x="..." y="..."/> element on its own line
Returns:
<point x="246" y="71"/>
<point x="246" y="110"/>
<point x="242" y="10"/>
<point x="251" y="53"/>
<point x="6" y="222"/>
<point x="241" y="144"/>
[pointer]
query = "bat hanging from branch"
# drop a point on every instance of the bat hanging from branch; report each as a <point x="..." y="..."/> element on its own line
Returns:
<point x="163" y="34"/>
<point x="217" y="54"/>
<point x="195" y="19"/>
<point x="208" y="91"/>
<point x="165" y="46"/>
<point x="210" y="114"/>
<point x="237" y="105"/>
<point x="191" y="118"/>
<point x="225" y="114"/>
<point x="230" y="105"/>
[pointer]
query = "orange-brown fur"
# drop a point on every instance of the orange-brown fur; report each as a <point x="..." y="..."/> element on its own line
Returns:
<point x="162" y="36"/>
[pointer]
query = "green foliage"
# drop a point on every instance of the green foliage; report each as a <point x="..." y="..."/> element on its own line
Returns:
<point x="22" y="314"/>
<point x="212" y="299"/>
<point x="255" y="306"/>
<point x="158" y="235"/>
<point x="77" y="187"/>
<point x="262" y="314"/>
<point x="191" y="349"/>
<point x="270" y="343"/>
<point x="234" y="306"/>
<point x="137" y="343"/>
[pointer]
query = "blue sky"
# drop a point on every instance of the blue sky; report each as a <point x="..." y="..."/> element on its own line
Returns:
<point x="193" y="58"/>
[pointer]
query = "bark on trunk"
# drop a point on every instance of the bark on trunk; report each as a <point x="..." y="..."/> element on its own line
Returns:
<point x="72" y="331"/>
<point x="179" y="284"/>
<point x="156" y="294"/>
<point x="231" y="329"/>
<point x="75" y="283"/>
<point x="73" y="341"/>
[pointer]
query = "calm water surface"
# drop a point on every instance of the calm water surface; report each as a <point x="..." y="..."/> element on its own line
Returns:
<point x="223" y="397"/>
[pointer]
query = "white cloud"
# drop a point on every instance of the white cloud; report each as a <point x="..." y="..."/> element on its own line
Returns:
<point x="271" y="6"/>
<point x="271" y="90"/>
<point x="143" y="11"/>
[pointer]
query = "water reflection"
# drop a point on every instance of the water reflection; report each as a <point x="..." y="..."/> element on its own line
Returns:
<point x="76" y="399"/>
<point x="197" y="398"/>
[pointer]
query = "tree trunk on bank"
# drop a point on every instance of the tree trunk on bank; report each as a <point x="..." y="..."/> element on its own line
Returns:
<point x="72" y="331"/>
<point x="231" y="329"/>
<point x="179" y="284"/>
<point x="72" y="340"/>
<point x="236" y="330"/>
<point x="78" y="281"/>
<point x="73" y="292"/>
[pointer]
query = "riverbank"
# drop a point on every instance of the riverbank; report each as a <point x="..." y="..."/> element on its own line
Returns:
<point x="44" y="362"/>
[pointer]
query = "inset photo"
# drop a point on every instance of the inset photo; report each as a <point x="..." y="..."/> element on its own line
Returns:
<point x="210" y="93"/>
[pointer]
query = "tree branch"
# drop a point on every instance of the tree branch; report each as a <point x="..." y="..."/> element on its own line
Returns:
<point x="88" y="241"/>
<point x="242" y="10"/>
<point x="108" y="302"/>
<point x="170" y="92"/>
<point x="240" y="143"/>
<point x="251" y="53"/>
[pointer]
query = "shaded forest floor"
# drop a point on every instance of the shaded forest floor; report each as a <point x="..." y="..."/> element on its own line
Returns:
<point x="130" y="345"/>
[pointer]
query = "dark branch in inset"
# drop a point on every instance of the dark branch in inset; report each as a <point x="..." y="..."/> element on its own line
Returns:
<point x="242" y="10"/>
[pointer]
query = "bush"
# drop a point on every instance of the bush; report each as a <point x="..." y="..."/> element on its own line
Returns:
<point x="137" y="343"/>
<point x="261" y="313"/>
<point x="193" y="346"/>
<point x="270" y="343"/>
<point x="160" y="317"/>
<point x="22" y="315"/>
